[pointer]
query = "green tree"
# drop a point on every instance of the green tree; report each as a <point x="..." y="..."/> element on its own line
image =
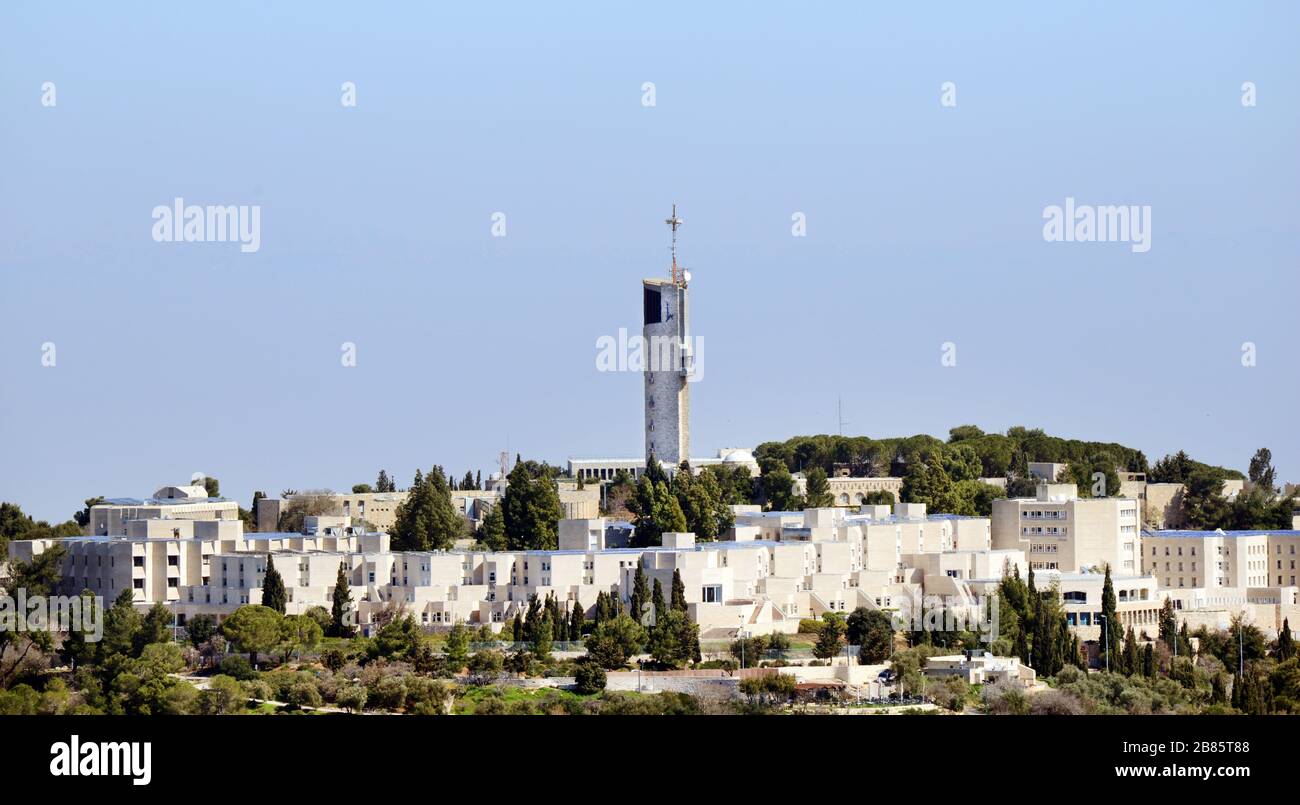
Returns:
<point x="1285" y="644"/>
<point x="873" y="632"/>
<point x="273" y="594"/>
<point x="777" y="485"/>
<point x="817" y="490"/>
<point x="829" y="636"/>
<point x="1111" y="631"/>
<point x="493" y="531"/>
<point x="679" y="592"/>
<point x="613" y="641"/>
<point x="427" y="520"/>
<point x="962" y="463"/>
<point x="299" y="633"/>
<point x="254" y="629"/>
<point x="531" y="510"/>
<point x="456" y="649"/>
<point x="927" y="482"/>
<point x="341" y="606"/>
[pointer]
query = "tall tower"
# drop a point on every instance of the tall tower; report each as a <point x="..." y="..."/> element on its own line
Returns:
<point x="668" y="362"/>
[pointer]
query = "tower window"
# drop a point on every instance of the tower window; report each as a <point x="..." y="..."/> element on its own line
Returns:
<point x="653" y="306"/>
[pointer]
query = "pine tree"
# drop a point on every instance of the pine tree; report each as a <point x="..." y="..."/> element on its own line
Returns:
<point x="467" y="482"/>
<point x="340" y="612"/>
<point x="1149" y="661"/>
<point x="493" y="531"/>
<point x="517" y="629"/>
<point x="427" y="520"/>
<point x="273" y="593"/>
<point x="531" y="507"/>
<point x="542" y="641"/>
<point x="817" y="493"/>
<point x="384" y="483"/>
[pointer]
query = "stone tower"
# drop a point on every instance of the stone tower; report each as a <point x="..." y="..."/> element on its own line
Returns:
<point x="668" y="362"/>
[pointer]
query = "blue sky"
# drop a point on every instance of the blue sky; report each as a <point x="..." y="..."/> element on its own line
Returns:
<point x="924" y="225"/>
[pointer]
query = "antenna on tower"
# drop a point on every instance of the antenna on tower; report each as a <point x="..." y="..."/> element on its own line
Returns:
<point x="839" y="409"/>
<point x="679" y="275"/>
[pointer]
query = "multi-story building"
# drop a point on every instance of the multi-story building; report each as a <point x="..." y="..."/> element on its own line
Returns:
<point x="168" y="503"/>
<point x="1058" y="530"/>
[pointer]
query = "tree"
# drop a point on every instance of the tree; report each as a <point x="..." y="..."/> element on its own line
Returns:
<point x="156" y="627"/>
<point x="362" y="489"/>
<point x="927" y="482"/>
<point x="640" y="594"/>
<point x="962" y="463"/>
<point x="254" y="628"/>
<point x="456" y="650"/>
<point x="655" y="510"/>
<point x="493" y="531"/>
<point x="341" y="608"/>
<point x="427" y="520"/>
<point x="817" y="494"/>
<point x="273" y="594"/>
<point x="873" y="632"/>
<point x="1285" y="644"/>
<point x="299" y="633"/>
<point x="576" y="619"/>
<point x="777" y="485"/>
<point x="613" y="641"/>
<point x="1261" y="473"/>
<point x="384" y="483"/>
<point x="213" y="487"/>
<point x="531" y="509"/>
<point x="1132" y="663"/>
<point x="679" y="592"/>
<point x="1110" y="626"/>
<point x="589" y="678"/>
<point x="829" y="636"/>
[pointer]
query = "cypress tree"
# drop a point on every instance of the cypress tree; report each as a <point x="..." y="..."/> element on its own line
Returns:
<point x="657" y="601"/>
<point x="1109" y="640"/>
<point x="1285" y="645"/>
<point x="273" y="594"/>
<point x="679" y="591"/>
<point x="342" y="605"/>
<point x="576" y="618"/>
<point x="1132" y="664"/>
<point x="640" y="595"/>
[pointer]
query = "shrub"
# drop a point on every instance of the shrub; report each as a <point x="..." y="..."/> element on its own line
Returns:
<point x="590" y="678"/>
<point x="388" y="693"/>
<point x="238" y="667"/>
<point x="303" y="694"/>
<point x="351" y="697"/>
<point x="224" y="695"/>
<point x="333" y="659"/>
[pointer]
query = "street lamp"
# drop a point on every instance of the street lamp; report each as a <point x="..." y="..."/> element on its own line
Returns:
<point x="740" y="633"/>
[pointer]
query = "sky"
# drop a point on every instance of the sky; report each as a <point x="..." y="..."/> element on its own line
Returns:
<point x="924" y="227"/>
